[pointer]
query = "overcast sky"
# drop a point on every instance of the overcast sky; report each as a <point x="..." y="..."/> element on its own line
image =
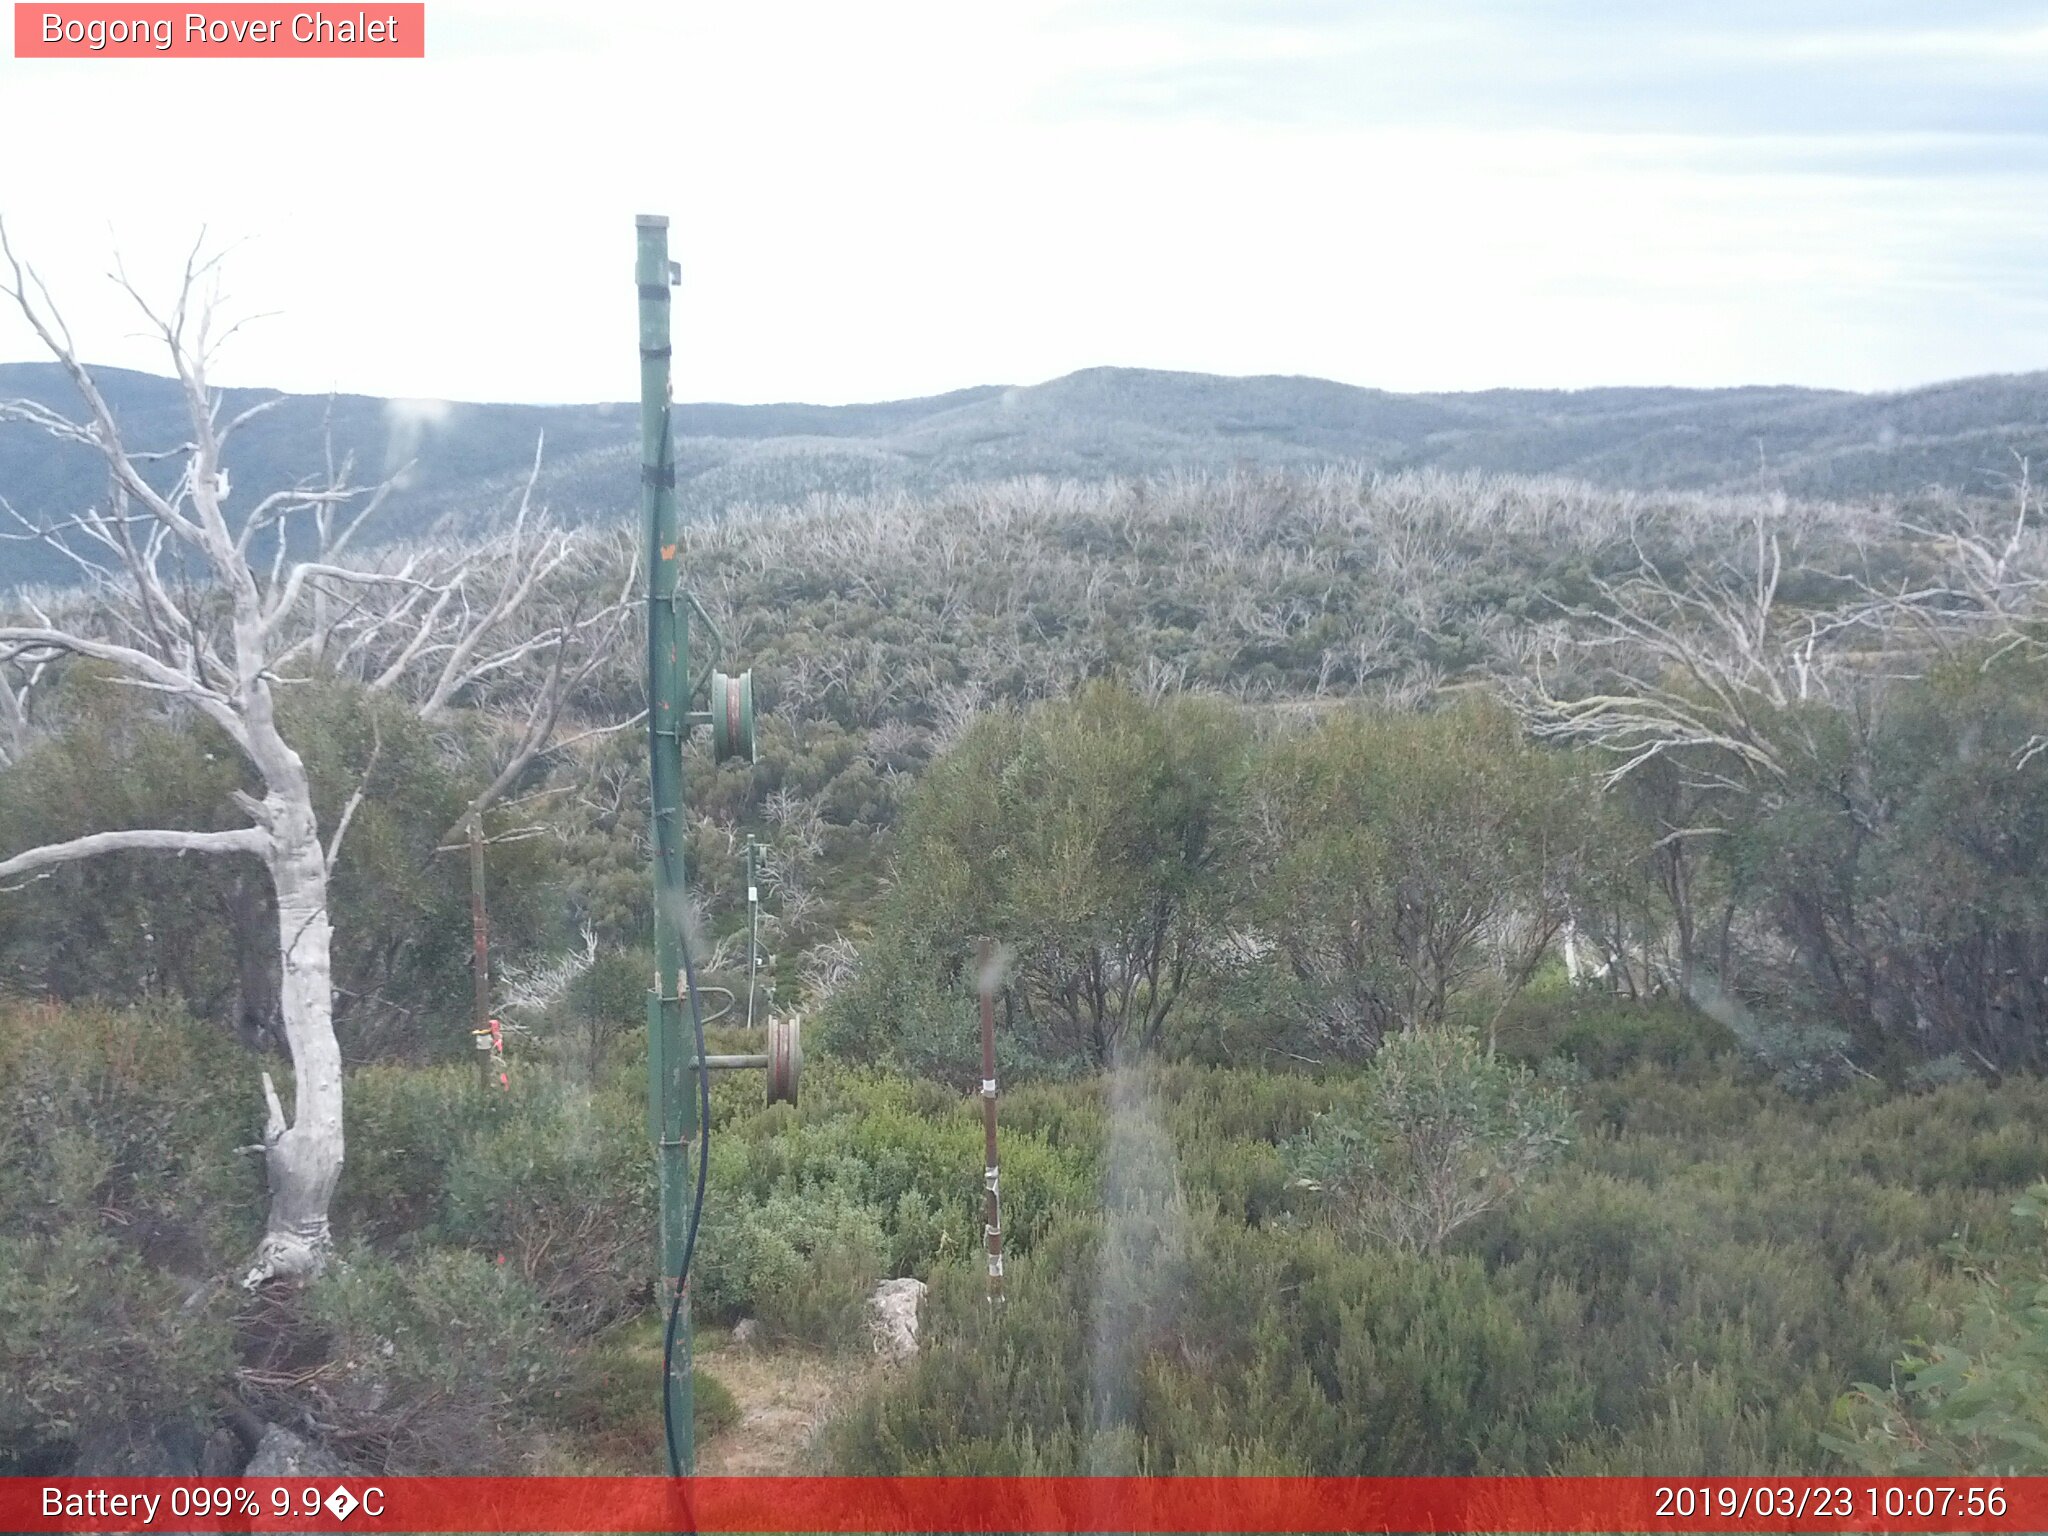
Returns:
<point x="886" y="199"/>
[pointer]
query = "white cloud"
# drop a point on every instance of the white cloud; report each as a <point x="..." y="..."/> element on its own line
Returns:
<point x="1987" y="44"/>
<point x="904" y="198"/>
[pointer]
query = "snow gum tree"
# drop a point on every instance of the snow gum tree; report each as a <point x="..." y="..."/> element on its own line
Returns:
<point x="213" y="614"/>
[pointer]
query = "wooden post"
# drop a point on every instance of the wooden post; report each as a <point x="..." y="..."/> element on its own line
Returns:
<point x="992" y="1205"/>
<point x="480" y="958"/>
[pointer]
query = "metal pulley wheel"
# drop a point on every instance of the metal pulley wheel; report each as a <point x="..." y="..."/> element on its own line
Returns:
<point x="732" y="716"/>
<point x="785" y="1058"/>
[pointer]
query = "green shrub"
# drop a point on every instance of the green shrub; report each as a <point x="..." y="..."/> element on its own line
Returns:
<point x="121" y="1197"/>
<point x="134" y="1115"/>
<point x="1903" y="836"/>
<point x="1445" y="1133"/>
<point x="122" y="928"/>
<point x="561" y="1183"/>
<point x="1687" y="1289"/>
<point x="1093" y="834"/>
<point x="1977" y="1405"/>
<point x="404" y="1126"/>
<point x="90" y="1335"/>
<point x="1398" y="857"/>
<point x="552" y="1173"/>
<point x="439" y="1363"/>
<point x="1607" y="1035"/>
<point x="803" y="1264"/>
<point x="606" y="1002"/>
<point x="909" y="1151"/>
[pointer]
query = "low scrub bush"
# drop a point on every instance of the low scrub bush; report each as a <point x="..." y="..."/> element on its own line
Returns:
<point x="130" y="1118"/>
<point x="404" y="1126"/>
<point x="1687" y="1288"/>
<point x="443" y="1362"/>
<point x="803" y="1264"/>
<point x="121" y="1198"/>
<point x="1444" y="1133"/>
<point x="1975" y="1404"/>
<point x="1606" y="1035"/>
<point x="562" y="1186"/>
<point x="91" y="1335"/>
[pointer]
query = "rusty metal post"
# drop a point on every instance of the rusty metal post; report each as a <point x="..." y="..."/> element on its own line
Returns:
<point x="992" y="1205"/>
<point x="480" y="957"/>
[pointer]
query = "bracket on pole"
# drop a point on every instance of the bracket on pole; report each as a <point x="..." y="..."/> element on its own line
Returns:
<point x="783" y="1061"/>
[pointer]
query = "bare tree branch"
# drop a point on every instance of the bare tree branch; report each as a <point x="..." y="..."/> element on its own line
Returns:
<point x="158" y="839"/>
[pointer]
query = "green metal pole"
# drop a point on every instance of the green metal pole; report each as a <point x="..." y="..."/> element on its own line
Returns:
<point x="671" y="1073"/>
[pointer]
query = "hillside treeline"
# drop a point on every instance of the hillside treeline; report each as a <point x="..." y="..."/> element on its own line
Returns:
<point x="1675" y="862"/>
<point x="1966" y="435"/>
<point x="1779" y="759"/>
<point x="1171" y="883"/>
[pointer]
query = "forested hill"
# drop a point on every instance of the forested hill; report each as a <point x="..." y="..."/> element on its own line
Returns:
<point x="467" y="459"/>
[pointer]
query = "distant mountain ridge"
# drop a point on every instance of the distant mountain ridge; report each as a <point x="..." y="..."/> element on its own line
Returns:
<point x="467" y="459"/>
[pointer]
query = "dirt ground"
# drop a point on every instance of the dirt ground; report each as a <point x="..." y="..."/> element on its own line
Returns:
<point x="785" y="1397"/>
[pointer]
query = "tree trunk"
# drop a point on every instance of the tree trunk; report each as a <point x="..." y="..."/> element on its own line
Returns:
<point x="304" y="1158"/>
<point x="1678" y="887"/>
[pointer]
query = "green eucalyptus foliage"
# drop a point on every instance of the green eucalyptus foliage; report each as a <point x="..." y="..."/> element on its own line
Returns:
<point x="400" y="896"/>
<point x="1399" y="859"/>
<point x="1164" y="882"/>
<point x="1905" y="864"/>
<point x="606" y="1002"/>
<point x="1094" y="837"/>
<point x="128" y="925"/>
<point x="202" y="929"/>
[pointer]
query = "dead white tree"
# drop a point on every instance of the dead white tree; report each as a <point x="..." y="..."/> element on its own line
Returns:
<point x="1715" y="676"/>
<point x="14" y="706"/>
<point x="1987" y="579"/>
<point x="1711" y="670"/>
<point x="1707" y="666"/>
<point x="179" y="601"/>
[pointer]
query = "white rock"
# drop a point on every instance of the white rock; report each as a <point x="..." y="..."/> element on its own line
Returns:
<point x="280" y="1453"/>
<point x="892" y="1317"/>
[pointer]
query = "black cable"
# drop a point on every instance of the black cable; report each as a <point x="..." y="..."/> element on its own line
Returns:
<point x="675" y="1305"/>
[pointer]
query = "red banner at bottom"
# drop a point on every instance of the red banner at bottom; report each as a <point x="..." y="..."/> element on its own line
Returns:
<point x="1024" y="1504"/>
